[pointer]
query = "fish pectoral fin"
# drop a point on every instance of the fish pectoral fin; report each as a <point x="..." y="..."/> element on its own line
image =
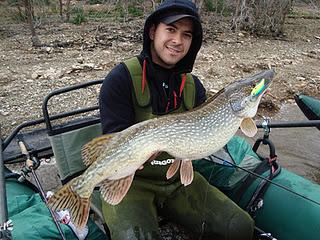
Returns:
<point x="67" y="198"/>
<point x="93" y="149"/>
<point x="248" y="127"/>
<point x="173" y="168"/>
<point x="113" y="191"/>
<point x="186" y="172"/>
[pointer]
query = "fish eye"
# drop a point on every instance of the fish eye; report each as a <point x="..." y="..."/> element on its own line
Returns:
<point x="235" y="105"/>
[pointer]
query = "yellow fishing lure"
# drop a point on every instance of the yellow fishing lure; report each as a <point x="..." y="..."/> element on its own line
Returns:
<point x="258" y="88"/>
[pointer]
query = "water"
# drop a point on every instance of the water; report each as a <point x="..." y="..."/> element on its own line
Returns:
<point x="298" y="149"/>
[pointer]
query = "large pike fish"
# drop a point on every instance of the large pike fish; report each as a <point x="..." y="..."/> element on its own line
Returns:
<point x="113" y="159"/>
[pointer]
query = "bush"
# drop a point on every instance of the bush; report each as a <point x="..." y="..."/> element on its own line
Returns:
<point x="79" y="15"/>
<point x="209" y="5"/>
<point x="134" y="11"/>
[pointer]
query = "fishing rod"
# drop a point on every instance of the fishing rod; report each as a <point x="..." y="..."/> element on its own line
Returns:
<point x="264" y="178"/>
<point x="5" y="224"/>
<point x="31" y="163"/>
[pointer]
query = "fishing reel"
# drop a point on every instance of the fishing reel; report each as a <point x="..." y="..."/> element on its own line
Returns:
<point x="32" y="162"/>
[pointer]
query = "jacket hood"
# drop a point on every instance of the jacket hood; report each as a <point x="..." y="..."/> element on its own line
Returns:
<point x="184" y="7"/>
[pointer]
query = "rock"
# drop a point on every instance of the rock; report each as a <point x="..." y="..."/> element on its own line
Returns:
<point x="52" y="73"/>
<point x="287" y="61"/>
<point x="46" y="50"/>
<point x="89" y="66"/>
<point x="35" y="75"/>
<point x="80" y="60"/>
<point x="49" y="49"/>
<point x="300" y="78"/>
<point x="4" y="113"/>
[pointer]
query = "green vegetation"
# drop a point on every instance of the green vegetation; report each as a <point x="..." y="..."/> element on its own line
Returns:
<point x="135" y="11"/>
<point x="97" y="15"/>
<point x="13" y="11"/>
<point x="78" y="15"/>
<point x="218" y="6"/>
<point x="119" y="11"/>
<point x="304" y="13"/>
<point x="41" y="2"/>
<point x="209" y="5"/>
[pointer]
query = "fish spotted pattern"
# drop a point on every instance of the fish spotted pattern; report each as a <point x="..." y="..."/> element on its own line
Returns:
<point x="113" y="159"/>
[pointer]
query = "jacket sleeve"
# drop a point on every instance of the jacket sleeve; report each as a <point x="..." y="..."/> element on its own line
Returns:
<point x="115" y="101"/>
<point x="200" y="91"/>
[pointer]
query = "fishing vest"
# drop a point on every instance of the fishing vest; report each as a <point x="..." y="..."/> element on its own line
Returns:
<point x="157" y="169"/>
<point x="142" y="99"/>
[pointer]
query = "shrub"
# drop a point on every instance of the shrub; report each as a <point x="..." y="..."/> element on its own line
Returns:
<point x="79" y="16"/>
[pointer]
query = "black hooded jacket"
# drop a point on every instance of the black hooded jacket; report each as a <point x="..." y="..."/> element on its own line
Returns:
<point x="116" y="103"/>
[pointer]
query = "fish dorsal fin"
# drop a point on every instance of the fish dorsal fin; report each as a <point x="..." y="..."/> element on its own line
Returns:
<point x="186" y="172"/>
<point x="173" y="168"/>
<point x="248" y="127"/>
<point x="93" y="149"/>
<point x="113" y="191"/>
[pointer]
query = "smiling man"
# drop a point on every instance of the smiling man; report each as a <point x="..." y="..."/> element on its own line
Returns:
<point x="155" y="83"/>
<point x="171" y="42"/>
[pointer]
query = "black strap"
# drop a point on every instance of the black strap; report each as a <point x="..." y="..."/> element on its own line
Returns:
<point x="265" y="141"/>
<point x="256" y="200"/>
<point x="261" y="168"/>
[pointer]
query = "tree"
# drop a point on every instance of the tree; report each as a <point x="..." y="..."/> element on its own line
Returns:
<point x="261" y="16"/>
<point x="199" y="4"/>
<point x="29" y="14"/>
<point x="67" y="10"/>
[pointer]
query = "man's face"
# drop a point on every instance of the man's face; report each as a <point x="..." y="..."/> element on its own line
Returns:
<point x="170" y="42"/>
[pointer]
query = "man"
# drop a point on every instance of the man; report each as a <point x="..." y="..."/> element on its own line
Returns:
<point x="158" y="82"/>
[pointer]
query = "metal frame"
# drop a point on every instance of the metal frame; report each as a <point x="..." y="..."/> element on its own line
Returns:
<point x="48" y="119"/>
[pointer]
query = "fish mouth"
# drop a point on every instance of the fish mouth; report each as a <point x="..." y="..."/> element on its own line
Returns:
<point x="253" y="86"/>
<point x="260" y="88"/>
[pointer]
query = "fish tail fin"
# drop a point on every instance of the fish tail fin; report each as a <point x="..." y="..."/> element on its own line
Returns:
<point x="78" y="207"/>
